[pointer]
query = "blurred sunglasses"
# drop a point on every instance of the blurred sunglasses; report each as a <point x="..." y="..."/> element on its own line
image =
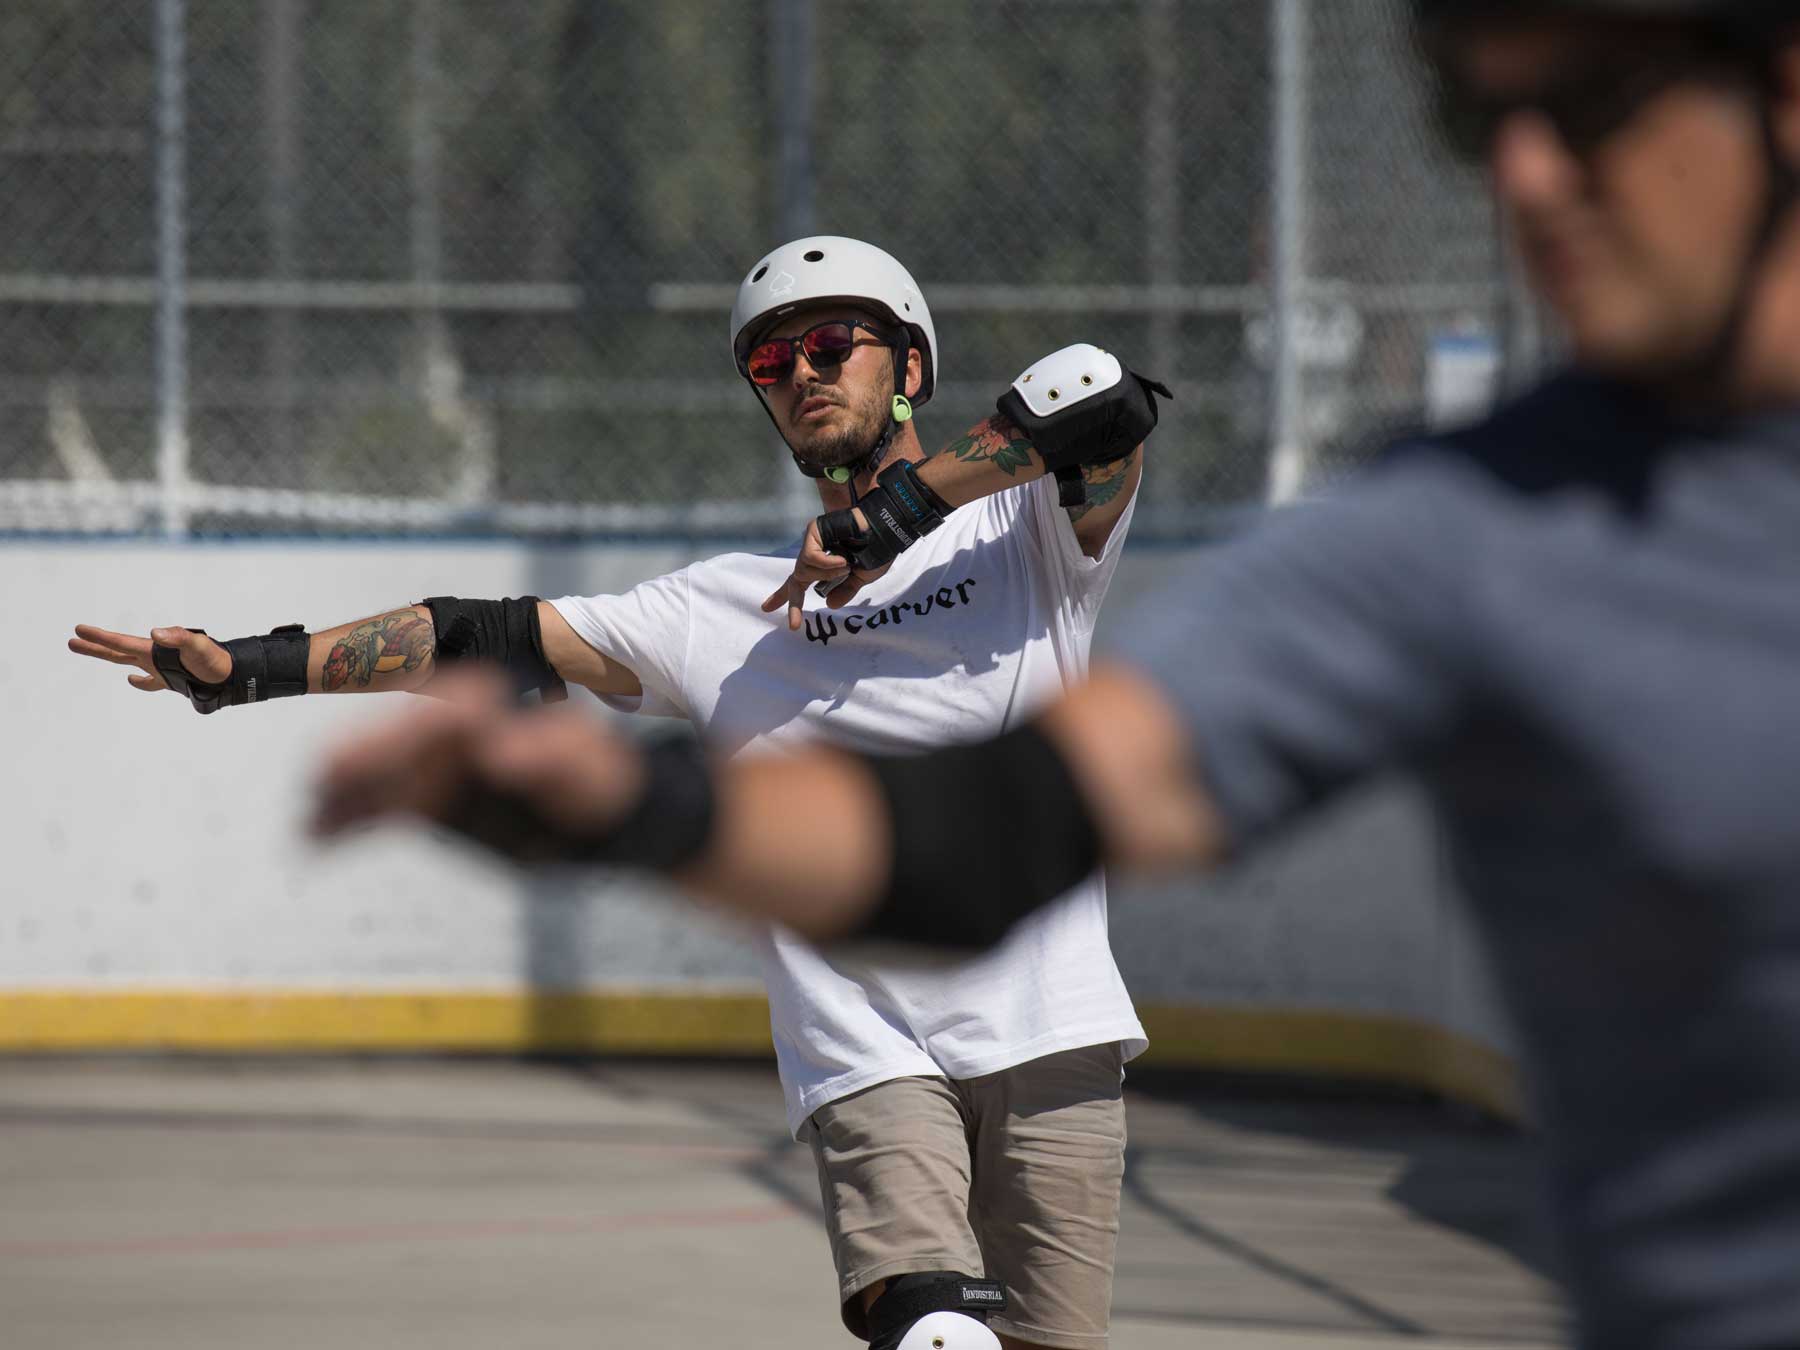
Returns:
<point x="1586" y="106"/>
<point x="826" y="345"/>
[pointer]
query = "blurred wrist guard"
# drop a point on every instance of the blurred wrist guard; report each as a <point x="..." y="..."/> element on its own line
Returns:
<point x="1081" y="406"/>
<point x="503" y="633"/>
<point x="901" y="509"/>
<point x="262" y="668"/>
<point x="670" y="824"/>
<point x="956" y="881"/>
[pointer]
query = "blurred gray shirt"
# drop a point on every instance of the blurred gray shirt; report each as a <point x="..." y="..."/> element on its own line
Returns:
<point x="1579" y="624"/>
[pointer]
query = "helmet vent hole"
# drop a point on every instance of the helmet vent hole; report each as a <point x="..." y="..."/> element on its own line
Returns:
<point x="1087" y="379"/>
<point x="813" y="255"/>
<point x="1055" y="394"/>
<point x="906" y="306"/>
<point x="761" y="272"/>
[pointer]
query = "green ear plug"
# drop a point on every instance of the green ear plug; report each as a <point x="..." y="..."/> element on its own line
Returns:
<point x="838" y="473"/>
<point x="902" y="409"/>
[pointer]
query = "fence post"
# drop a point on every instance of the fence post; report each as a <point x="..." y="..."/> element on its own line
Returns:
<point x="425" y="224"/>
<point x="1162" y="197"/>
<point x="1287" y="251"/>
<point x="171" y="266"/>
<point x="792" y="51"/>
<point x="281" y="28"/>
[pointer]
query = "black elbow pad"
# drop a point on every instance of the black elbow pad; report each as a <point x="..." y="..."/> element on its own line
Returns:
<point x="955" y="879"/>
<point x="1081" y="406"/>
<point x="503" y="633"/>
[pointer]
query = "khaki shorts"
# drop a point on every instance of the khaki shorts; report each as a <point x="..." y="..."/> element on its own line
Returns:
<point x="1013" y="1176"/>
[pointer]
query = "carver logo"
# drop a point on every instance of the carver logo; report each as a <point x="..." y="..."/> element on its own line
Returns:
<point x="822" y="626"/>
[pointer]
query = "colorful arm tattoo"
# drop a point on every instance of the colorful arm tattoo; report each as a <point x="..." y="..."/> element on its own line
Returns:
<point x="1104" y="482"/>
<point x="397" y="641"/>
<point x="995" y="440"/>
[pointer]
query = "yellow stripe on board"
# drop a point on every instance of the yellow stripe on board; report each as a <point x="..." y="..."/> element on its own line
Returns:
<point x="618" y="1021"/>
<point x="1398" y="1051"/>
<point x="1391" y="1050"/>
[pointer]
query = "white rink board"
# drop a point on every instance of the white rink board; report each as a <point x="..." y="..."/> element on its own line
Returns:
<point x="150" y="847"/>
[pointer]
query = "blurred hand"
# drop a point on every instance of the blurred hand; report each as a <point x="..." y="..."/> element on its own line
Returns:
<point x="203" y="658"/>
<point x="828" y="573"/>
<point x="470" y="741"/>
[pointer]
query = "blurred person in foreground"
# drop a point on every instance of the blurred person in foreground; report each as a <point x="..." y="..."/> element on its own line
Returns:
<point x="967" y="1122"/>
<point x="1578" y="622"/>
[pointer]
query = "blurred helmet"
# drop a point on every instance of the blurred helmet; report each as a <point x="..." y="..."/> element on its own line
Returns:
<point x="1744" y="26"/>
<point x="825" y="269"/>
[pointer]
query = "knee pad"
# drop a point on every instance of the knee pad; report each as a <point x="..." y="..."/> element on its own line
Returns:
<point x="948" y="1331"/>
<point x="935" y="1310"/>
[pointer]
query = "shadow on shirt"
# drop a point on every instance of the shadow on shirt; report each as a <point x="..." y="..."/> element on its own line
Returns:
<point x="786" y="673"/>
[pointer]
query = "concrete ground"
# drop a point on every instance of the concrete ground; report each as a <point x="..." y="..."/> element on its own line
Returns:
<point x="456" y="1204"/>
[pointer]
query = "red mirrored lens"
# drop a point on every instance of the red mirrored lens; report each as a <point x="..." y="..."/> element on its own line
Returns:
<point x="770" y="361"/>
<point x="828" y="344"/>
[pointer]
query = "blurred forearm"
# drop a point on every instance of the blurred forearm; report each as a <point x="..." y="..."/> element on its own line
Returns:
<point x="1120" y="739"/>
<point x="819" y="880"/>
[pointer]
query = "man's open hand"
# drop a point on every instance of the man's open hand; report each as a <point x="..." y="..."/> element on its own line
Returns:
<point x="203" y="658"/>
<point x="816" y="568"/>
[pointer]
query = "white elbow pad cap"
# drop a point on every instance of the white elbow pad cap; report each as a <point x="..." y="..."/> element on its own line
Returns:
<point x="1067" y="377"/>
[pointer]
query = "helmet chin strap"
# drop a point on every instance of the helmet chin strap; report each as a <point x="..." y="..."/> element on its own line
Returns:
<point x="900" y="411"/>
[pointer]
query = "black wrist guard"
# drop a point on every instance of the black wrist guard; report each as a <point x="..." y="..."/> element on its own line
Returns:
<point x="670" y="824"/>
<point x="1081" y="406"/>
<point x="262" y="668"/>
<point x="901" y="509"/>
<point x="956" y="881"/>
<point x="504" y="633"/>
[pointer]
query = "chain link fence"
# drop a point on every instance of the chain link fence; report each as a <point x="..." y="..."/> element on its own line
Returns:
<point x="390" y="266"/>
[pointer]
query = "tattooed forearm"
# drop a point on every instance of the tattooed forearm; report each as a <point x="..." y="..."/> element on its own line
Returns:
<point x="398" y="641"/>
<point x="995" y="440"/>
<point x="1104" y="482"/>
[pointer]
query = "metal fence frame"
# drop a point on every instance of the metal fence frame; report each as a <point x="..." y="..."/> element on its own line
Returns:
<point x="173" y="497"/>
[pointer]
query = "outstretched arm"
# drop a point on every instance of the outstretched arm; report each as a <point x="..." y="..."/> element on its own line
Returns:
<point x="547" y="785"/>
<point x="392" y="652"/>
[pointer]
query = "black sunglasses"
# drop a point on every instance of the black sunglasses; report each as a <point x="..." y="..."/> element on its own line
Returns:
<point x="1585" y="106"/>
<point x="826" y="345"/>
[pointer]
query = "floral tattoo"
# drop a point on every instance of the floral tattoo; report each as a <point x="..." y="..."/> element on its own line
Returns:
<point x="995" y="440"/>
<point x="1104" y="482"/>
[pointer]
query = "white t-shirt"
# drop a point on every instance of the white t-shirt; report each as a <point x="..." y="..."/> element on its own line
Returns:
<point x="972" y="630"/>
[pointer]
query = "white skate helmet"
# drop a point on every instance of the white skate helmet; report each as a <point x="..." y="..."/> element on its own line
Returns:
<point x="824" y="268"/>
